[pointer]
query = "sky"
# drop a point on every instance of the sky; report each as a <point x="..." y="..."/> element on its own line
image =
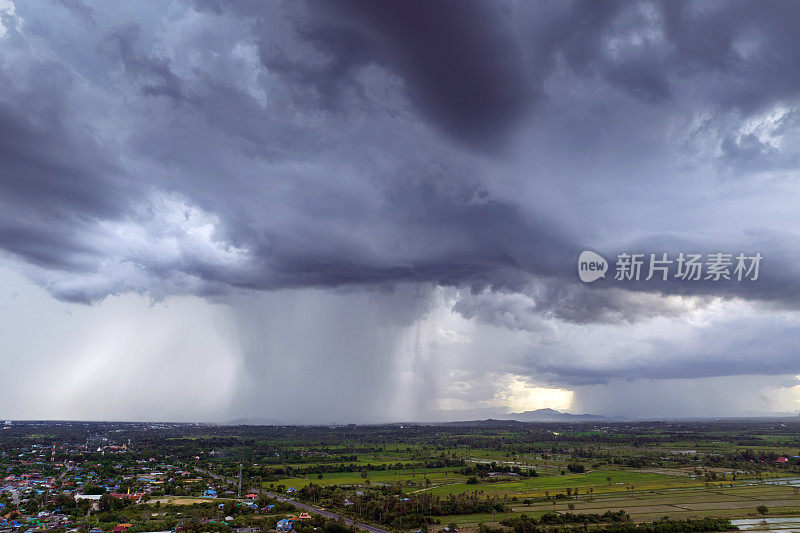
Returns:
<point x="334" y="212"/>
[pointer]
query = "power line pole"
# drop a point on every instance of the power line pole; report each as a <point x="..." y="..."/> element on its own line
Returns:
<point x="240" y="480"/>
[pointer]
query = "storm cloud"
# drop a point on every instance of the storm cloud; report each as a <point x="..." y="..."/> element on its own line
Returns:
<point x="440" y="166"/>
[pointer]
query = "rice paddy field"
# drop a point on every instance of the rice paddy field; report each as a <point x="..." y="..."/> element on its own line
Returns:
<point x="650" y="471"/>
<point x="406" y="477"/>
<point x="680" y="502"/>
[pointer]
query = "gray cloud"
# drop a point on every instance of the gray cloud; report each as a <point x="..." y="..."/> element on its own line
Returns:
<point x="269" y="127"/>
<point x="739" y="396"/>
<point x="459" y="63"/>
<point x="215" y="149"/>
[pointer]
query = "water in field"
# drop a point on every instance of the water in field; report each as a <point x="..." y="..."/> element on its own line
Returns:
<point x="782" y="525"/>
<point x="791" y="481"/>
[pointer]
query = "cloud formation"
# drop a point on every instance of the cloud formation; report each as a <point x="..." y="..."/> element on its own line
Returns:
<point x="464" y="152"/>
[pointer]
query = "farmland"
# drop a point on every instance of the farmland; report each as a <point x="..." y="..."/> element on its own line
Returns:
<point x="651" y="471"/>
<point x="485" y="476"/>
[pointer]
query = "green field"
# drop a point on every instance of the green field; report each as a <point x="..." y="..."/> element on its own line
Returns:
<point x="438" y="476"/>
<point x="739" y="501"/>
<point x="598" y="480"/>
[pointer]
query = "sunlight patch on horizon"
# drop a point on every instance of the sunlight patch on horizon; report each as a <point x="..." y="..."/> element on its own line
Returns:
<point x="520" y="396"/>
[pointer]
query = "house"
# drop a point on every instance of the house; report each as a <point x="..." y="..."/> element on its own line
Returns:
<point x="284" y="525"/>
<point x="251" y="496"/>
<point x="781" y="460"/>
<point x="93" y="498"/>
<point x="119" y="528"/>
<point x="304" y="516"/>
<point x="136" y="496"/>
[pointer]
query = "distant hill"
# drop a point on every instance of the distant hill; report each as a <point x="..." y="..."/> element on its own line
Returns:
<point x="550" y="415"/>
<point x="495" y="419"/>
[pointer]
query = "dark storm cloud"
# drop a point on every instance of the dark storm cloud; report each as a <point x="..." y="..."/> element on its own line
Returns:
<point x="54" y="180"/>
<point x="460" y="63"/>
<point x="312" y="145"/>
<point x="44" y="246"/>
<point x="433" y="168"/>
<point x="751" y="46"/>
<point x="495" y="246"/>
<point x="777" y="277"/>
<point x="744" y="52"/>
<point x="157" y="79"/>
<point x="43" y="166"/>
<point x="758" y="358"/>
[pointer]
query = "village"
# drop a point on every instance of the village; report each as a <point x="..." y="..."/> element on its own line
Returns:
<point x="70" y="487"/>
<point x="144" y="478"/>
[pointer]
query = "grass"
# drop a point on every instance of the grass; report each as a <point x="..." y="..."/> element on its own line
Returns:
<point x="598" y="480"/>
<point x="737" y="502"/>
<point x="435" y="475"/>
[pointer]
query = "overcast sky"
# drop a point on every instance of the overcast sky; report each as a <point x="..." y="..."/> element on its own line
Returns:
<point x="372" y="211"/>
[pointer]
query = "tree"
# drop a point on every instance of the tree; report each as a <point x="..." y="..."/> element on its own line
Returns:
<point x="762" y="510"/>
<point x="571" y="506"/>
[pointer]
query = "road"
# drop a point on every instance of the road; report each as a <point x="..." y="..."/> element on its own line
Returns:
<point x="306" y="507"/>
<point x="328" y="514"/>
